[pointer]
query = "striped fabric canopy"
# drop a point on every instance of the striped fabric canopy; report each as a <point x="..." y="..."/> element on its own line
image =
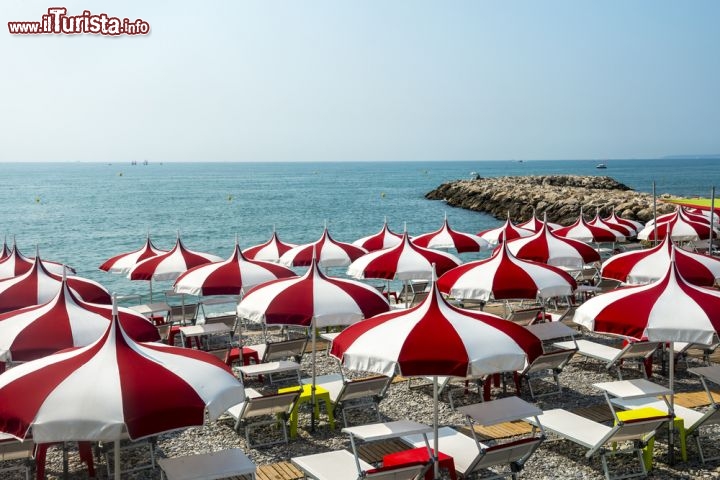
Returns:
<point x="115" y="386"/>
<point x="503" y="276"/>
<point x="435" y="338"/>
<point x="405" y="261"/>
<point x="38" y="286"/>
<point x="233" y="276"/>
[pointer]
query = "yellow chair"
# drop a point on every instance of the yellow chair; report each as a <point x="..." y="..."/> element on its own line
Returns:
<point x="306" y="396"/>
<point x="649" y="412"/>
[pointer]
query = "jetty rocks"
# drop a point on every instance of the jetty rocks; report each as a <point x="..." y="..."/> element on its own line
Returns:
<point x="560" y="197"/>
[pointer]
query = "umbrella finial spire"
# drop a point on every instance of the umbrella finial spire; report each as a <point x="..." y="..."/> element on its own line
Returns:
<point x="236" y="239"/>
<point x="114" y="305"/>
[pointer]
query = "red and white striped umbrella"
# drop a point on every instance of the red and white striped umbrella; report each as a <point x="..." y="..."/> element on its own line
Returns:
<point x="312" y="300"/>
<point x="123" y="262"/>
<point x="635" y="226"/>
<point x="684" y="213"/>
<point x="436" y="339"/>
<point x="312" y="297"/>
<point x="584" y="232"/>
<point x="270" y="251"/>
<point x="678" y="229"/>
<point x="645" y="266"/>
<point x="670" y="309"/>
<point x="38" y="286"/>
<point x="168" y="266"/>
<point x="15" y="263"/>
<point x="615" y="227"/>
<point x="534" y="224"/>
<point x="63" y="322"/>
<point x="112" y="387"/>
<point x="405" y="261"/>
<point x="503" y="276"/>
<point x="546" y="247"/>
<point x="506" y="232"/>
<point x="328" y="252"/>
<point x="385" y="238"/>
<point x="233" y="276"/>
<point x="446" y="238"/>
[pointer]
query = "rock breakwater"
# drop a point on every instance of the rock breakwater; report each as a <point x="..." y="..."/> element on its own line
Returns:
<point x="561" y="197"/>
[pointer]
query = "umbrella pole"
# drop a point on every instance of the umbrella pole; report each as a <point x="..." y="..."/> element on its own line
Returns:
<point x="151" y="290"/>
<point x="671" y="436"/>
<point x="312" y="387"/>
<point x="654" y="214"/>
<point x="436" y="465"/>
<point x="712" y="220"/>
<point x="117" y="459"/>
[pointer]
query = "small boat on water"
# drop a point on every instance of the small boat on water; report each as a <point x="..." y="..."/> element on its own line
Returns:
<point x="600" y="165"/>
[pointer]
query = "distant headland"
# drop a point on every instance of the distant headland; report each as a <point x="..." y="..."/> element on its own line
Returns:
<point x="560" y="197"/>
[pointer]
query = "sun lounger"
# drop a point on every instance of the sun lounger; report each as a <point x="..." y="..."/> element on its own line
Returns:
<point x="12" y="450"/>
<point x="343" y="465"/>
<point x="473" y="458"/>
<point x="282" y="350"/>
<point x="274" y="408"/>
<point x="231" y="463"/>
<point x="611" y="356"/>
<point x="346" y="395"/>
<point x="596" y="436"/>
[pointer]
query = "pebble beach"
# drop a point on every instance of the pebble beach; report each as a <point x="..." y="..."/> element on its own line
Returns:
<point x="555" y="459"/>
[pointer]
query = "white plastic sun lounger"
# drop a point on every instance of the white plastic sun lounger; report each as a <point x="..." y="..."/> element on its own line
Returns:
<point x="595" y="436"/>
<point x="612" y="356"/>
<point x="471" y="458"/>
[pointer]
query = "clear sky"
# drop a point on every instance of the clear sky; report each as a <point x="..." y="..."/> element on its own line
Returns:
<point x="270" y="80"/>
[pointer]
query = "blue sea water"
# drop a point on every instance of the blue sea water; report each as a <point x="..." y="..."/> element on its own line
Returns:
<point x="84" y="213"/>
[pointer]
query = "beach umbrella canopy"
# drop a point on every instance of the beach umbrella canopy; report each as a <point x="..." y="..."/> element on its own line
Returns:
<point x="614" y="219"/>
<point x="38" y="286"/>
<point x="614" y="227"/>
<point x="311" y="297"/>
<point x="327" y="251"/>
<point x="678" y="229"/>
<point x="270" y="251"/>
<point x="435" y="339"/>
<point x="405" y="261"/>
<point x="546" y="247"/>
<point x="446" y="238"/>
<point x="645" y="266"/>
<point x="169" y="265"/>
<point x="64" y="322"/>
<point x="506" y="232"/>
<point x="534" y="224"/>
<point x="123" y="262"/>
<point x="115" y="387"/>
<point x="233" y="276"/>
<point x="669" y="309"/>
<point x="684" y="213"/>
<point x="385" y="238"/>
<point x="503" y="276"/>
<point x="15" y="263"/>
<point x="585" y="232"/>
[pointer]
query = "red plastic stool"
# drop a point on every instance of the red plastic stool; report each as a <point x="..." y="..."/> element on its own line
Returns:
<point x="84" y="450"/>
<point x="420" y="455"/>
<point x="233" y="355"/>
